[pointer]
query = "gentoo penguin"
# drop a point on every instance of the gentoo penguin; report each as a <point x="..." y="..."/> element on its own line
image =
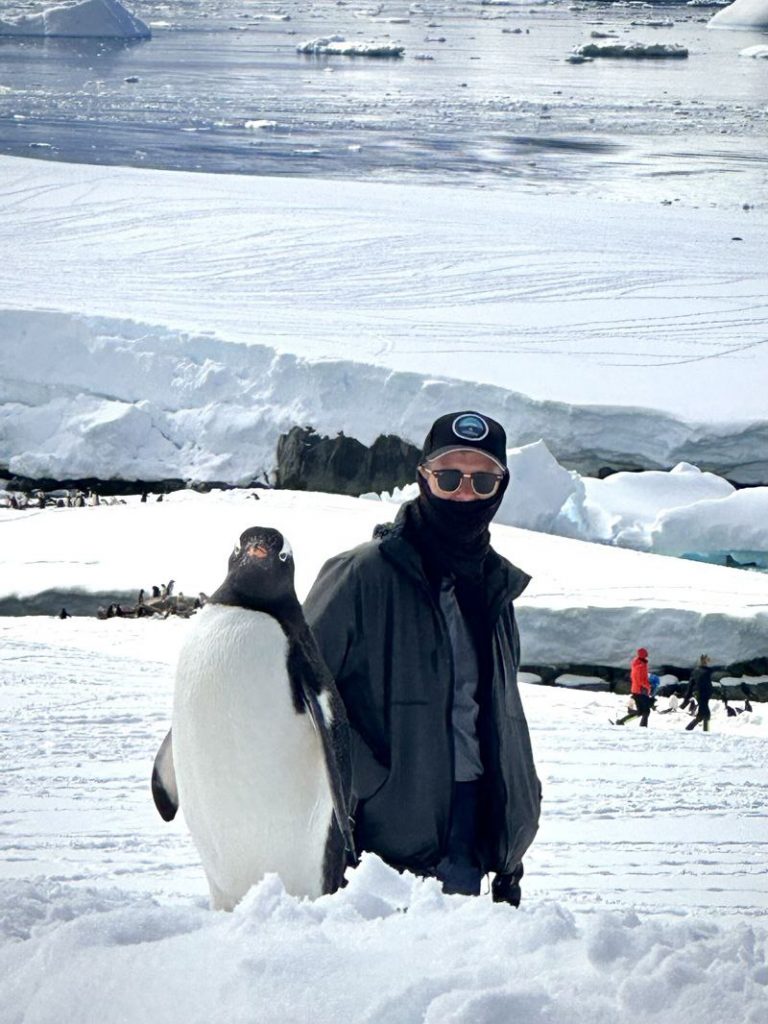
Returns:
<point x="258" y="754"/>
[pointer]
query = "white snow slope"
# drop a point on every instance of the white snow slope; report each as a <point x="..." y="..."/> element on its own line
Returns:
<point x="587" y="604"/>
<point x="644" y="898"/>
<point x="551" y="298"/>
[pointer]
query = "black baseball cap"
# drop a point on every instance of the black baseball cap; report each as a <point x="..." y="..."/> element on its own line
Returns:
<point x="466" y="431"/>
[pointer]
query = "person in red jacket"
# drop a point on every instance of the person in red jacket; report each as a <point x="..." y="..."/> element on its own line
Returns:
<point x="640" y="689"/>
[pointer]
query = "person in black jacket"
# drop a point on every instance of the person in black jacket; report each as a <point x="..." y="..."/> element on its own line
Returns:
<point x="418" y="628"/>
<point x="701" y="682"/>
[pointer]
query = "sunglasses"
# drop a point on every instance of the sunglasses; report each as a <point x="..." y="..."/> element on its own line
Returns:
<point x="484" y="485"/>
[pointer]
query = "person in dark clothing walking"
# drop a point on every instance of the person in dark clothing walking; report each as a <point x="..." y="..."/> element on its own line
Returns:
<point x="640" y="689"/>
<point x="701" y="682"/>
<point x="418" y="628"/>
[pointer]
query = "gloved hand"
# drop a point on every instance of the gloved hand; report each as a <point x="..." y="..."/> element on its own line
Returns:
<point x="506" y="888"/>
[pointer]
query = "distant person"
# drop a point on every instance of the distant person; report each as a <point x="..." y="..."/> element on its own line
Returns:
<point x="747" y="694"/>
<point x="701" y="683"/>
<point x="655" y="682"/>
<point x="640" y="688"/>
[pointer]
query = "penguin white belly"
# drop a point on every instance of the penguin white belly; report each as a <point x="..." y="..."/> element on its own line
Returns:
<point x="250" y="770"/>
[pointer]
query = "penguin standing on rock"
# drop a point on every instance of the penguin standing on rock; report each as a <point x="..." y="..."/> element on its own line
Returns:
<point x="258" y="756"/>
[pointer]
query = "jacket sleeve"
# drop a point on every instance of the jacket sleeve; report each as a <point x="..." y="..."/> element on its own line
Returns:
<point x="331" y="610"/>
<point x="640" y="676"/>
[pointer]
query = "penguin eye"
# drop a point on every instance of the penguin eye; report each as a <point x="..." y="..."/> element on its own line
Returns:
<point x="283" y="556"/>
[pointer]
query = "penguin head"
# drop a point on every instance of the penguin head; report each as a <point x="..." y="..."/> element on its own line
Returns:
<point x="260" y="573"/>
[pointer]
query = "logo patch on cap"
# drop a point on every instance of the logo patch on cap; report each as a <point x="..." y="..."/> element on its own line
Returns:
<point x="470" y="427"/>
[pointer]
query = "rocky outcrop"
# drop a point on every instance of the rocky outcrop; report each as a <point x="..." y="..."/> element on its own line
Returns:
<point x="343" y="465"/>
<point x="616" y="680"/>
<point x="13" y="482"/>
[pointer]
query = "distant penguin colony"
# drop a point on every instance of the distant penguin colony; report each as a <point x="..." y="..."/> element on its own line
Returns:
<point x="258" y="755"/>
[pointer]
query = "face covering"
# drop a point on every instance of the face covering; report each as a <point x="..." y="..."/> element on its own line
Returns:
<point x="452" y="536"/>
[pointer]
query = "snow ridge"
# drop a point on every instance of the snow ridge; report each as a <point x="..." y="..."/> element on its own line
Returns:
<point x="88" y="396"/>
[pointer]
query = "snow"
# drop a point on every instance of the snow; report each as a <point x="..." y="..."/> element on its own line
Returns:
<point x="170" y="324"/>
<point x="630" y="503"/>
<point x="543" y="306"/>
<point x="742" y="14"/>
<point x="757" y="52"/>
<point x="539" y="489"/>
<point x="736" y="524"/>
<point x="680" y="512"/>
<point x="648" y="865"/>
<point x="587" y="604"/>
<point x="95" y="396"/>
<point x="80" y="19"/>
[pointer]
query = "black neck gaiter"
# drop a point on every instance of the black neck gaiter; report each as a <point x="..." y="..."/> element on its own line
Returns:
<point x="451" y="536"/>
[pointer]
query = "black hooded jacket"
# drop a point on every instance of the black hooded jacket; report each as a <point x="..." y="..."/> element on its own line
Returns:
<point x="384" y="638"/>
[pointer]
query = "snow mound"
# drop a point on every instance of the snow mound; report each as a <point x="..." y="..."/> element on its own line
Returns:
<point x="359" y="957"/>
<point x="633" y="51"/>
<point x="742" y="14"/>
<point x="539" y="491"/>
<point x="79" y="18"/>
<point x="758" y="52"/>
<point x="630" y="503"/>
<point x="735" y="525"/>
<point x="337" y="45"/>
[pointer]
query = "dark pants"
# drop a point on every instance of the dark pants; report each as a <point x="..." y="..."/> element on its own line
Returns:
<point x="643" y="709"/>
<point x="703" y="715"/>
<point x="459" y="870"/>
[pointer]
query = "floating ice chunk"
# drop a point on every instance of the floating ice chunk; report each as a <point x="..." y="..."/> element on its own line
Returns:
<point x="338" y="45"/>
<point x="633" y="51"/>
<point x="255" y="126"/>
<point x="742" y="14"/>
<point x="86" y="18"/>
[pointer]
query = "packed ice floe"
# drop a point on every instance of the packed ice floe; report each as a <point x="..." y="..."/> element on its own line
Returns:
<point x="79" y="18"/>
<point x="632" y="50"/>
<point x="338" y="45"/>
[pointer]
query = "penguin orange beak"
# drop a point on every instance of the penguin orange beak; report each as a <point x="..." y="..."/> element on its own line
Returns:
<point x="256" y="551"/>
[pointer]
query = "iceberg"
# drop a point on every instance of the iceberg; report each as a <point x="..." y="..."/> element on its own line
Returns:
<point x="100" y="19"/>
<point x="742" y="14"/>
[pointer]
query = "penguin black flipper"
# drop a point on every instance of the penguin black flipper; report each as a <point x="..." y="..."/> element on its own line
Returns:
<point x="164" y="790"/>
<point x="340" y="805"/>
<point x="315" y="680"/>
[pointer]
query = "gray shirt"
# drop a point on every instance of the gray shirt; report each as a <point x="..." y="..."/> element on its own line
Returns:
<point x="468" y="764"/>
